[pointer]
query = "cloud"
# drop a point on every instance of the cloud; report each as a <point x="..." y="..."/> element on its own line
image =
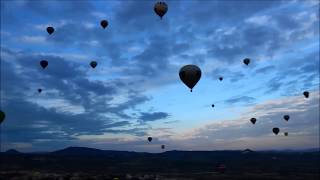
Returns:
<point x="240" y="99"/>
<point x="153" y="116"/>
<point x="239" y="133"/>
<point x="69" y="106"/>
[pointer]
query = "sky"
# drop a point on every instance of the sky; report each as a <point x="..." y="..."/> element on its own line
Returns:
<point x="135" y="90"/>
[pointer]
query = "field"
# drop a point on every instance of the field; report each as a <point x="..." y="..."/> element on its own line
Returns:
<point x="85" y="163"/>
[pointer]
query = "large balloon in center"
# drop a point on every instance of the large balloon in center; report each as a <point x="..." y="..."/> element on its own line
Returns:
<point x="190" y="75"/>
<point x="149" y="139"/>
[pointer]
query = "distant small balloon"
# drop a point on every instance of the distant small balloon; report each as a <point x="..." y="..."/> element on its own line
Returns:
<point x="160" y="8"/>
<point x="50" y="30"/>
<point x="212" y="105"/>
<point x="306" y="94"/>
<point x="2" y="116"/>
<point x="286" y="117"/>
<point x="220" y="78"/>
<point x="104" y="23"/>
<point x="162" y="146"/>
<point x="149" y="139"/>
<point x="276" y="130"/>
<point x="93" y="64"/>
<point x="39" y="90"/>
<point x="286" y="133"/>
<point x="253" y="120"/>
<point x="246" y="61"/>
<point x="44" y="64"/>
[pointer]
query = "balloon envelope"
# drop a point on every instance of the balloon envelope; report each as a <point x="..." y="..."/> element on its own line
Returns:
<point x="50" y="30"/>
<point x="220" y="78"/>
<point x="286" y="133"/>
<point x="276" y="130"/>
<point x="149" y="139"/>
<point x="306" y="94"/>
<point x="190" y="75"/>
<point x="253" y="120"/>
<point x="44" y="63"/>
<point x="162" y="146"/>
<point x="212" y="105"/>
<point x="104" y="23"/>
<point x="93" y="64"/>
<point x="160" y="8"/>
<point x="286" y="117"/>
<point x="39" y="90"/>
<point x="246" y="61"/>
<point x="2" y="116"/>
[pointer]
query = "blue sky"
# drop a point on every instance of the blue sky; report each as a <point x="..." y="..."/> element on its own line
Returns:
<point x="135" y="90"/>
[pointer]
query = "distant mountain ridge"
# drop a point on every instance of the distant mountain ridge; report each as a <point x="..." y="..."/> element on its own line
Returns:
<point x="94" y="151"/>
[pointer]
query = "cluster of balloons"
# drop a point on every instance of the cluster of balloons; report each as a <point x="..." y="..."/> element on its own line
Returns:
<point x="189" y="74"/>
<point x="150" y="139"/>
<point x="286" y="117"/>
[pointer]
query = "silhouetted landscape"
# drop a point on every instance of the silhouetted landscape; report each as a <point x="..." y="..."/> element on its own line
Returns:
<point x="88" y="163"/>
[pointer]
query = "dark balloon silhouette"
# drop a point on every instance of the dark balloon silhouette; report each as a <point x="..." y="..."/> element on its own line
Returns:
<point x="50" y="30"/>
<point x="306" y="94"/>
<point x="44" y="64"/>
<point x="286" y="117"/>
<point x="220" y="78"/>
<point x="2" y="116"/>
<point x="286" y="133"/>
<point x="276" y="130"/>
<point x="39" y="90"/>
<point x="253" y="120"/>
<point x="104" y="23"/>
<point x="190" y="75"/>
<point x="160" y="8"/>
<point x="149" y="139"/>
<point x="93" y="64"/>
<point x="162" y="146"/>
<point x="246" y="61"/>
<point x="212" y="105"/>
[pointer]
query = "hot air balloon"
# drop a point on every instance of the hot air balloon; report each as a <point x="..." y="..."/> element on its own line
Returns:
<point x="39" y="90"/>
<point x="161" y="9"/>
<point x="44" y="64"/>
<point x="104" y="23"/>
<point x="286" y="117"/>
<point x="50" y="30"/>
<point x="246" y="61"/>
<point x="149" y="139"/>
<point x="286" y="133"/>
<point x="162" y="146"/>
<point x="2" y="116"/>
<point x="306" y="94"/>
<point x="212" y="105"/>
<point x="220" y="78"/>
<point x="253" y="120"/>
<point x="276" y="130"/>
<point x="93" y="64"/>
<point x="190" y="75"/>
